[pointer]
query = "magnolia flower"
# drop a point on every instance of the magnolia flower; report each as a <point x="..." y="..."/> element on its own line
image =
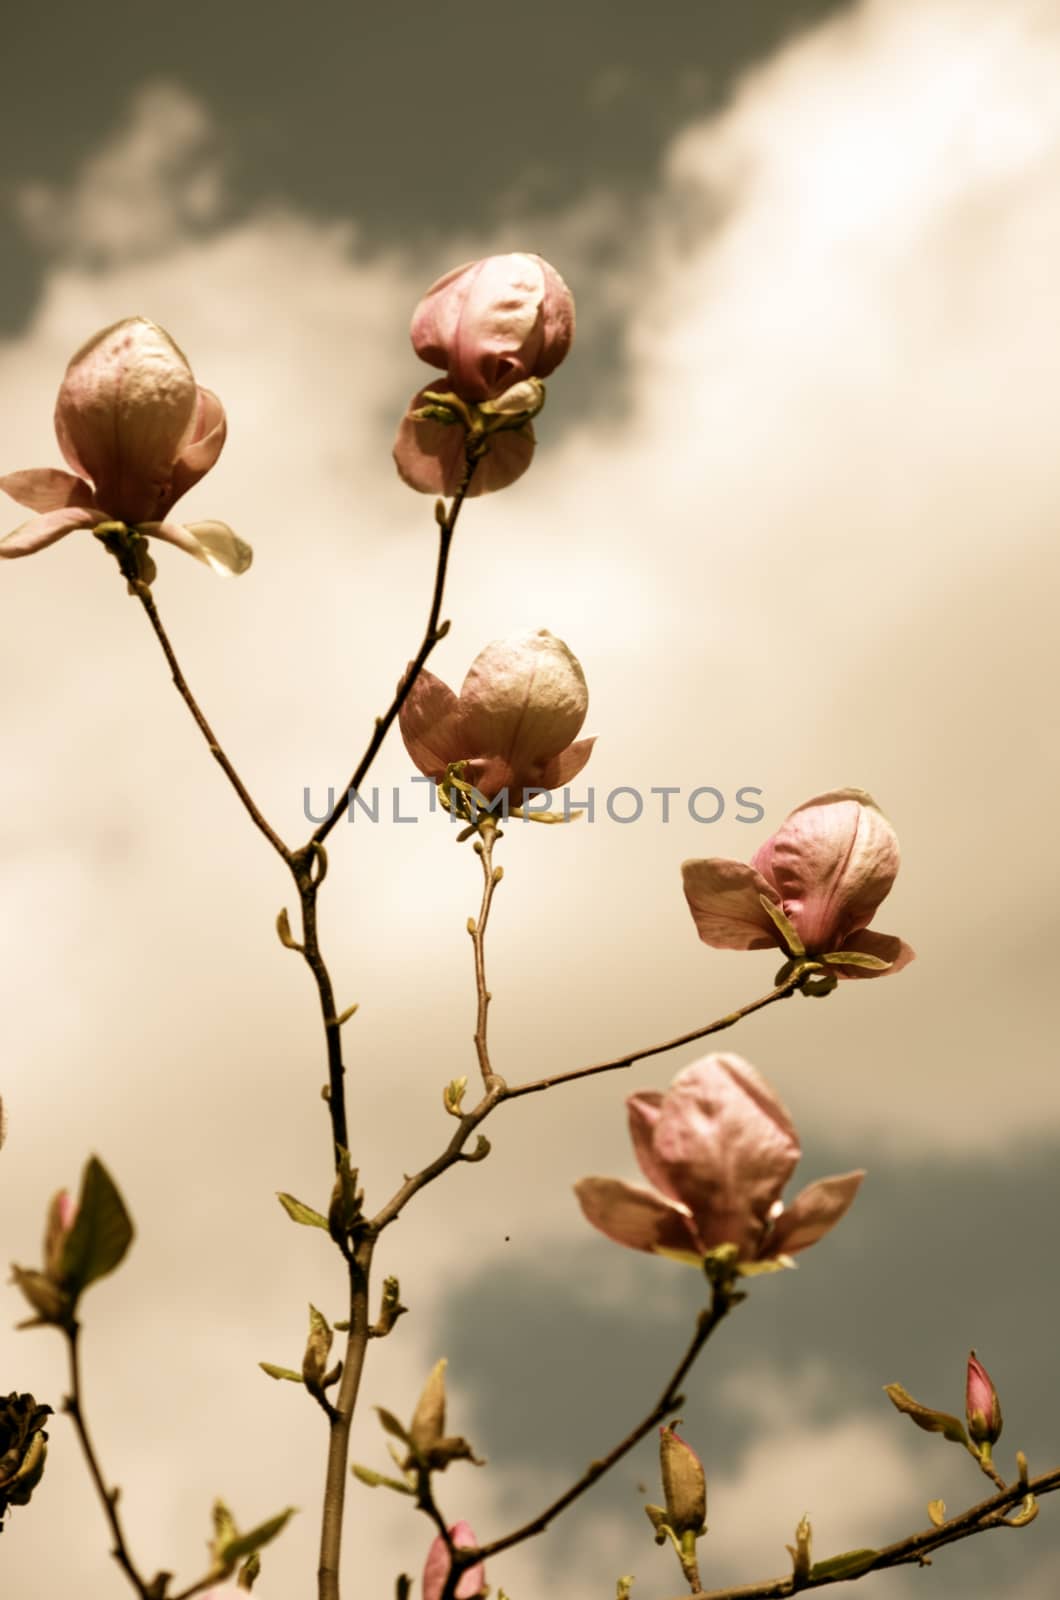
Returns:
<point x="495" y="328"/>
<point x="492" y="323"/>
<point x="436" y="1570"/>
<point x="718" y="1148"/>
<point x="513" y="724"/>
<point x="826" y="871"/>
<point x="138" y="432"/>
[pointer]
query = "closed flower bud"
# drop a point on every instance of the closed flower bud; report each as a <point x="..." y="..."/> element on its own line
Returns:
<point x="472" y="1581"/>
<point x="60" y="1220"/>
<point x="495" y="322"/>
<point x="138" y="432"/>
<point x="684" y="1484"/>
<point x="514" y="723"/>
<point x="982" y="1406"/>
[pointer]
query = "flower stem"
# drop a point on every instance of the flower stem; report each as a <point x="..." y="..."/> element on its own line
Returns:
<point x="74" y="1407"/>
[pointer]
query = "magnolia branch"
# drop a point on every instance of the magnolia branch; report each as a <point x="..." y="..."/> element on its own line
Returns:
<point x="477" y="929"/>
<point x="432" y="634"/>
<point x="109" y="1498"/>
<point x="146" y="599"/>
<point x="916" y="1549"/>
<point x="499" y="1091"/>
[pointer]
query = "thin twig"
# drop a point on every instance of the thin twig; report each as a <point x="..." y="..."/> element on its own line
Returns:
<point x="477" y="929"/>
<point x="146" y="599"/>
<point x="73" y="1405"/>
<point x="499" y="1092"/>
<point x="781" y="993"/>
<point x="431" y="635"/>
<point x="341" y="1422"/>
<point x="722" y="1301"/>
<point x="904" y="1552"/>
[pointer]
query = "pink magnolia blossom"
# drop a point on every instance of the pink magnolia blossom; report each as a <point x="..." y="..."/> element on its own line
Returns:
<point x="827" y="869"/>
<point x="492" y="323"/>
<point x="718" y="1149"/>
<point x="514" y="722"/>
<point x="495" y="328"/>
<point x="138" y="432"/>
<point x="436" y="1569"/>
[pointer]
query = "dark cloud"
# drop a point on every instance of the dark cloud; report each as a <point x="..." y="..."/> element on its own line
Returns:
<point x="412" y="119"/>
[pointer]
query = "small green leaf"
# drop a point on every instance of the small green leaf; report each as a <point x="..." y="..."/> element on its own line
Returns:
<point x="281" y="1372"/>
<point x="249" y="1572"/>
<point x="376" y="1480"/>
<point x="857" y="958"/>
<point x="784" y="926"/>
<point x="924" y="1417"/>
<point x="247" y="1543"/>
<point x="392" y="1425"/>
<point x="224" y="1527"/>
<point x="298" y="1211"/>
<point x="102" y="1230"/>
<point x="851" y="1564"/>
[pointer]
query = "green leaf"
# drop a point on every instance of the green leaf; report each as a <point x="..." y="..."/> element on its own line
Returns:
<point x="376" y="1480"/>
<point x="249" y="1572"/>
<point x="298" y="1211"/>
<point x="246" y="1543"/>
<point x="789" y="936"/>
<point x="281" y="1372"/>
<point x="102" y="1230"/>
<point x="924" y="1417"/>
<point x="857" y="958"/>
<point x="851" y="1564"/>
<point x="392" y="1425"/>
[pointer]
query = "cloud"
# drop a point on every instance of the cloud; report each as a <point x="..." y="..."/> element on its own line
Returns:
<point x="804" y="534"/>
<point x="155" y="180"/>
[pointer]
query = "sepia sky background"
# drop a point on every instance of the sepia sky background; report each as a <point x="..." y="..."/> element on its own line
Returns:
<point x="795" y="508"/>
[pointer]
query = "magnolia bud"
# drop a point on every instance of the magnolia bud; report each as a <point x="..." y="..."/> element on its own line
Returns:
<point x="982" y="1406"/>
<point x="684" y="1484"/>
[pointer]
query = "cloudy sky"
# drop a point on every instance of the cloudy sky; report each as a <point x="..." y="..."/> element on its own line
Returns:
<point x="794" y="508"/>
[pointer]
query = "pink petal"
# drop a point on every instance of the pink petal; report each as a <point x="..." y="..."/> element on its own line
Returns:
<point x="726" y="1143"/>
<point x="429" y="456"/>
<point x="723" y="897"/>
<point x="213" y="543"/>
<point x="833" y="861"/>
<point x="436" y="1568"/>
<point x="45" y="530"/>
<point x="428" y="721"/>
<point x="885" y="945"/>
<point x="813" y="1213"/>
<point x="524" y="698"/>
<point x="46" y="489"/>
<point x="484" y="324"/>
<point x="124" y="409"/>
<point x="636" y="1217"/>
<point x="560" y="769"/>
<point x="644" y="1110"/>
<point x="209" y="430"/>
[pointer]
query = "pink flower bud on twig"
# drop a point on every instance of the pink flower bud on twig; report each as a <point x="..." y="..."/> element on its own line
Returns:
<point x="824" y="873"/>
<point x="436" y="1569"/>
<point x="138" y="433"/>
